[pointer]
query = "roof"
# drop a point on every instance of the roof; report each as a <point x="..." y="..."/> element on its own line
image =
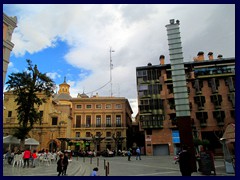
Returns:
<point x="62" y="96"/>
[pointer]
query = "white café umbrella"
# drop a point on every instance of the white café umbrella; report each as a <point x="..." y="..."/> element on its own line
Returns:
<point x="10" y="140"/>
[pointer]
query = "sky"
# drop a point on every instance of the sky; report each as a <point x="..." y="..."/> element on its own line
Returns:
<point x="75" y="40"/>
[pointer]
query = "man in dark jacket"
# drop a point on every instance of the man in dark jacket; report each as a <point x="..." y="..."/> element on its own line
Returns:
<point x="65" y="163"/>
<point x="185" y="162"/>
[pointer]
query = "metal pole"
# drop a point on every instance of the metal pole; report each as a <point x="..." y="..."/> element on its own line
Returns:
<point x="52" y="143"/>
<point x="97" y="161"/>
<point x="104" y="164"/>
<point x="108" y="167"/>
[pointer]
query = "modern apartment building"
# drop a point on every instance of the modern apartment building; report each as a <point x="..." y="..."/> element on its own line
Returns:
<point x="211" y="92"/>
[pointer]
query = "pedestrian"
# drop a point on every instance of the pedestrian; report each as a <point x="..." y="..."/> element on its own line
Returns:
<point x="138" y="151"/>
<point x="26" y="157"/>
<point x="185" y="162"/>
<point x="95" y="172"/>
<point x="129" y="154"/>
<point x="34" y="157"/>
<point x="60" y="165"/>
<point x="65" y="163"/>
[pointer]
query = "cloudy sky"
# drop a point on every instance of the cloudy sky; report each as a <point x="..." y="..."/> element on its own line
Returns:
<point x="74" y="41"/>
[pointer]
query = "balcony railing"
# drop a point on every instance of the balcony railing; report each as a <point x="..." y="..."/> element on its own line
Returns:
<point x="98" y="125"/>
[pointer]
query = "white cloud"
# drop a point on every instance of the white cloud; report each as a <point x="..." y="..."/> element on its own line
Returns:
<point x="137" y="33"/>
<point x="53" y="75"/>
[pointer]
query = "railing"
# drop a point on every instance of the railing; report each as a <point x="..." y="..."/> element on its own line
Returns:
<point x="98" y="125"/>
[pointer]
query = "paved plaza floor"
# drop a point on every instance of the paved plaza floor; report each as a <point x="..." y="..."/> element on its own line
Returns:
<point x="117" y="166"/>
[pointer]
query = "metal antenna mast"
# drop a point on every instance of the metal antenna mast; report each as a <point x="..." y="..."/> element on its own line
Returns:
<point x="111" y="67"/>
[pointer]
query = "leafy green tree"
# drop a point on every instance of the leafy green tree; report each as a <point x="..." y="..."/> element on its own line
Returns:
<point x="26" y="85"/>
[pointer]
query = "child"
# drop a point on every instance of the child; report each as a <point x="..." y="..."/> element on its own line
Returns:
<point x="94" y="172"/>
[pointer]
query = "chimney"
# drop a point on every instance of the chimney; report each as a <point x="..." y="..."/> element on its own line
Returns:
<point x="210" y="55"/>
<point x="200" y="56"/>
<point x="162" y="58"/>
<point x="219" y="56"/>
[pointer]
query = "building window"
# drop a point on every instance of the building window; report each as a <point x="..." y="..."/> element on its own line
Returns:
<point x="9" y="113"/>
<point x="119" y="133"/>
<point x="88" y="134"/>
<point x="200" y="101"/>
<point x="54" y="120"/>
<point x="98" y="134"/>
<point x="98" y="121"/>
<point x="108" y="120"/>
<point x="78" y="121"/>
<point x="108" y="134"/>
<point x="118" y="120"/>
<point x="77" y="134"/>
<point x="88" y="121"/>
<point x="88" y="106"/>
<point x="108" y="106"/>
<point x="79" y="106"/>
<point x="118" y="106"/>
<point x="98" y="106"/>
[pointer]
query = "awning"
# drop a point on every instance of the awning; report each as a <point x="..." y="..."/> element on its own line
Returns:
<point x="10" y="140"/>
<point x="31" y="141"/>
<point x="229" y="133"/>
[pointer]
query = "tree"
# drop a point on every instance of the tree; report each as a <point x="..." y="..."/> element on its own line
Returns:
<point x="25" y="86"/>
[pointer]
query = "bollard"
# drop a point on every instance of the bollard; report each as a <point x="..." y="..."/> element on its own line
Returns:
<point x="106" y="174"/>
<point x="104" y="164"/>
<point x="108" y="167"/>
<point x="91" y="160"/>
<point x="97" y="162"/>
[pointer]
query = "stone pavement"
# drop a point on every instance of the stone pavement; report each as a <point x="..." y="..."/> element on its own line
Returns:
<point x="118" y="166"/>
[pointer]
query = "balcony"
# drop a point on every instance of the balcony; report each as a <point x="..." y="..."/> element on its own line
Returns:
<point x="151" y="124"/>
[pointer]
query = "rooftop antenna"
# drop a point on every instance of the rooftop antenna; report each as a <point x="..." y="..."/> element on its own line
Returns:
<point x="111" y="67"/>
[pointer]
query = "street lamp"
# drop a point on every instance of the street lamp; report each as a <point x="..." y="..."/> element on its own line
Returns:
<point x="52" y="141"/>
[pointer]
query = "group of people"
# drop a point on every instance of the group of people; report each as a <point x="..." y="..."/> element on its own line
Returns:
<point x="138" y="154"/>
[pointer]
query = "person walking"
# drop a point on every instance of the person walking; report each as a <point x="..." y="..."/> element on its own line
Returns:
<point x="60" y="165"/>
<point x="26" y="157"/>
<point x="65" y="164"/>
<point x="138" y="151"/>
<point x="129" y="154"/>
<point x="34" y="157"/>
<point x="95" y="172"/>
<point x="185" y="162"/>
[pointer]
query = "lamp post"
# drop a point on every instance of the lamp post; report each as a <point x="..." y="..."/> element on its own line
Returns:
<point x="52" y="141"/>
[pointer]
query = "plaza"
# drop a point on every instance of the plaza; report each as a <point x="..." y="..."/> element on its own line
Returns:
<point x="118" y="166"/>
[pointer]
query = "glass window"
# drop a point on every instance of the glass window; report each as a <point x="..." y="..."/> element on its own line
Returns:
<point x="108" y="134"/>
<point x="98" y="106"/>
<point x="77" y="134"/>
<point x="108" y="120"/>
<point x="88" y="134"/>
<point x="78" y="106"/>
<point x="98" y="121"/>
<point x="118" y="106"/>
<point x="9" y="113"/>
<point x="88" y="106"/>
<point x="118" y="120"/>
<point x="88" y="121"/>
<point x="108" y="106"/>
<point x="54" y="120"/>
<point x="78" y="121"/>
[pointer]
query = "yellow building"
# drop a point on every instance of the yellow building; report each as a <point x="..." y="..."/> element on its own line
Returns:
<point x="79" y="120"/>
<point x="9" y="24"/>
